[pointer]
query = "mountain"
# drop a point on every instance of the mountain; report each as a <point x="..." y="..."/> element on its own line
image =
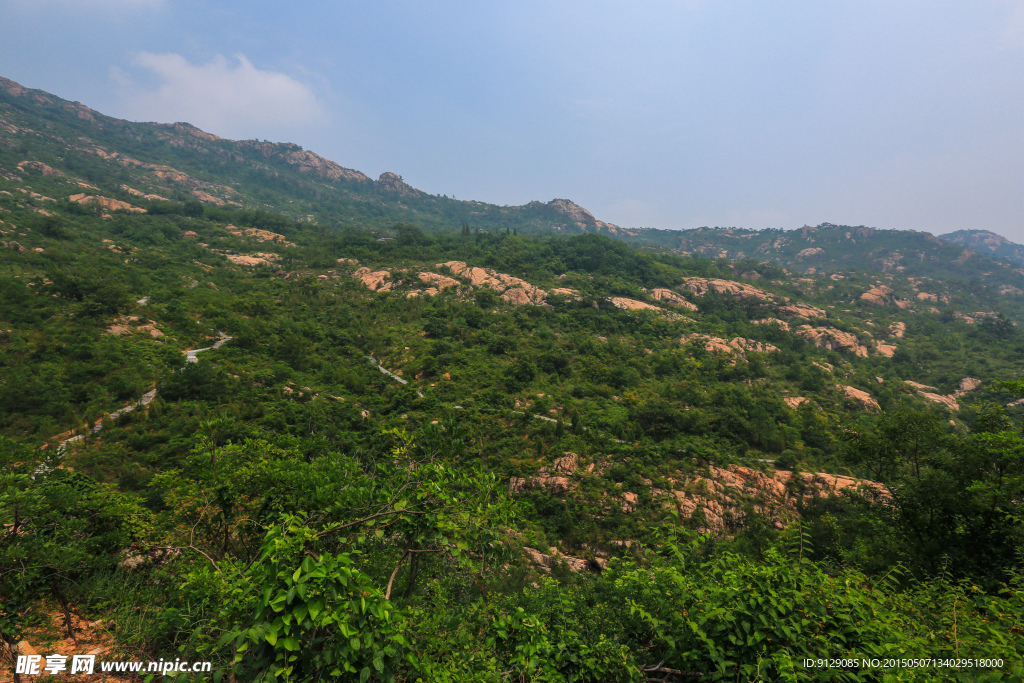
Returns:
<point x="180" y="162"/>
<point x="987" y="243"/>
<point x="256" y="407"/>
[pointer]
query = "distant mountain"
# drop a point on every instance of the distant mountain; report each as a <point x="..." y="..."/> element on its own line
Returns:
<point x="987" y="243"/>
<point x="142" y="165"/>
<point x="144" y="162"/>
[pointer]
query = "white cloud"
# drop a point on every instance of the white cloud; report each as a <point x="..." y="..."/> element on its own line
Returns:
<point x="229" y="99"/>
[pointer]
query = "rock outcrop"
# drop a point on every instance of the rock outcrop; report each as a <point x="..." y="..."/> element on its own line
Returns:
<point x="802" y="311"/>
<point x="736" y="344"/>
<point x="702" y="285"/>
<point x="105" y="203"/>
<point x="859" y="395"/>
<point x="833" y="339"/>
<point x="39" y="167"/>
<point x="393" y="183"/>
<point x="632" y="304"/>
<point x="257" y="259"/>
<point x="718" y="494"/>
<point x="929" y="393"/>
<point x="375" y="280"/>
<point x="259" y="235"/>
<point x="878" y="296"/>
<point x="967" y="384"/>
<point x="582" y="218"/>
<point x="887" y="350"/>
<point x="669" y="297"/>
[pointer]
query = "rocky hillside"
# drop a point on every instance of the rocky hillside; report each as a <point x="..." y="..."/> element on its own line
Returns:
<point x="139" y="163"/>
<point x="987" y="243"/>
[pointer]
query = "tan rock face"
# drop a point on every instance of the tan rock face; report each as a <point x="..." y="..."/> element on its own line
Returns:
<point x="802" y="311"/>
<point x="207" y="198"/>
<point x="734" y="345"/>
<point x="807" y="253"/>
<point x="138" y="193"/>
<point x="947" y="401"/>
<point x="375" y="281"/>
<point x="878" y="296"/>
<point x="719" y="493"/>
<point x="834" y="339"/>
<point x="701" y="286"/>
<point x="393" y="183"/>
<point x="105" y="203"/>
<point x="669" y="297"/>
<point x="967" y="384"/>
<point x="631" y="304"/>
<point x="795" y="402"/>
<point x="898" y="329"/>
<point x="438" y="281"/>
<point x="919" y="386"/>
<point x="259" y="235"/>
<point x="860" y="395"/>
<point x="582" y="218"/>
<point x="251" y="259"/>
<point x="39" y="167"/>
<point x="887" y="350"/>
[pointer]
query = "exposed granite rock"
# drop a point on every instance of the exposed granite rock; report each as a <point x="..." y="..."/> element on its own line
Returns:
<point x="257" y="259"/>
<point x="632" y="304"/>
<point x="392" y="182"/>
<point x="833" y="339"/>
<point x="438" y="281"/>
<point x="736" y="344"/>
<point x="105" y="203"/>
<point x="887" y="350"/>
<point x="719" y="494"/>
<point x="878" y="296"/>
<point x="259" y="235"/>
<point x="860" y="395"/>
<point x="967" y="384"/>
<point x="580" y="216"/>
<point x="671" y="298"/>
<point x="802" y="311"/>
<point x="701" y="286"/>
<point x="39" y="167"/>
<point x="375" y="281"/>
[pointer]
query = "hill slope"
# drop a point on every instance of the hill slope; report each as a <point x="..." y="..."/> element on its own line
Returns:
<point x="228" y="376"/>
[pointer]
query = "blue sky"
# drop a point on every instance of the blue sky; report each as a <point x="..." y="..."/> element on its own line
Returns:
<point x="669" y="114"/>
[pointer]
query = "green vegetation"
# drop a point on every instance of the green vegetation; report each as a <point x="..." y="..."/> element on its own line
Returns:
<point x="288" y="511"/>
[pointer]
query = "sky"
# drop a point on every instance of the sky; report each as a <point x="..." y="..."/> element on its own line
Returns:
<point x="652" y="113"/>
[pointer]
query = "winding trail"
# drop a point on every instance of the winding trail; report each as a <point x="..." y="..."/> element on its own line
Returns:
<point x="390" y="374"/>
<point x="191" y="356"/>
<point x="147" y="398"/>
